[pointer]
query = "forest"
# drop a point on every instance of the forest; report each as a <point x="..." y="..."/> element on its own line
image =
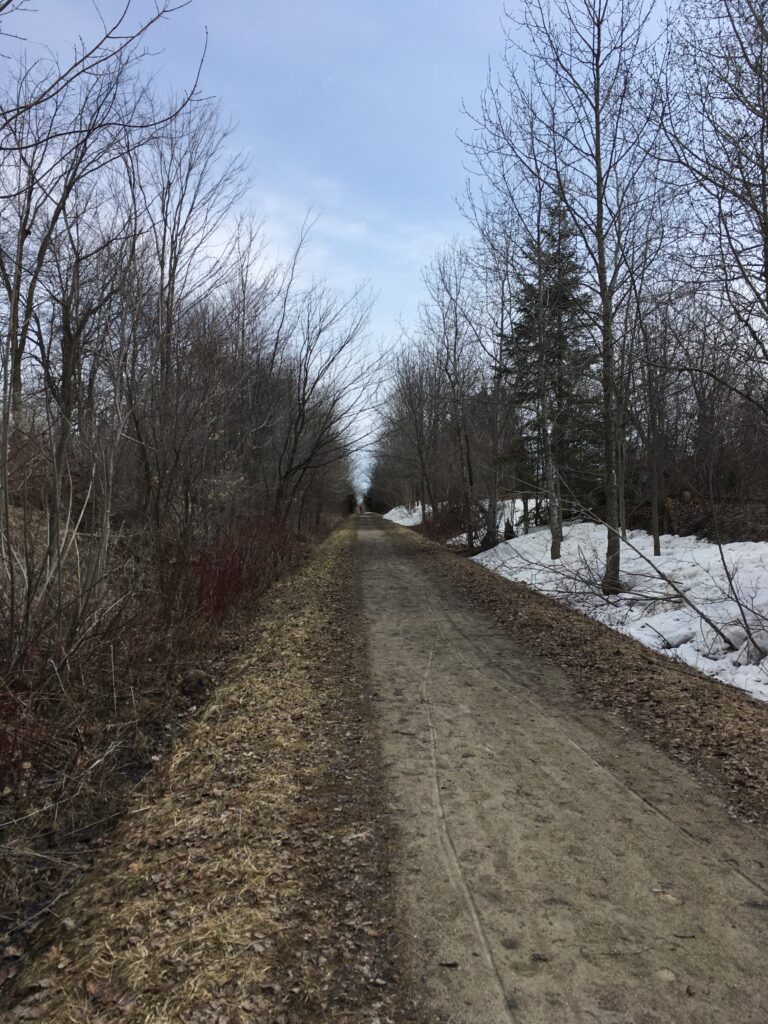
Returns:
<point x="596" y="344"/>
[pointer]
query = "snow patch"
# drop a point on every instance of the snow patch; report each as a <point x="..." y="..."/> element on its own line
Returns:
<point x="511" y="510"/>
<point x="649" y="609"/>
<point x="404" y="516"/>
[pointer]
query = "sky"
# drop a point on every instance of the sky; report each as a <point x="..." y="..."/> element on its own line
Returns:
<point x="348" y="107"/>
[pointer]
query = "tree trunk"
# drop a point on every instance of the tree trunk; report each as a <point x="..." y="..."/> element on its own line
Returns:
<point x="466" y="467"/>
<point x="553" y="512"/>
<point x="491" y="525"/>
<point x="491" y="528"/>
<point x="611" y="579"/>
<point x="653" y="476"/>
<point x="622" y="463"/>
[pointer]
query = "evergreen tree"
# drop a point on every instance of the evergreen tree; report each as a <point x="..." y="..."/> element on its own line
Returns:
<point x="549" y="359"/>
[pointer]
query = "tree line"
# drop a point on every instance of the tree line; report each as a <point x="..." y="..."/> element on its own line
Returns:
<point x="176" y="405"/>
<point x="598" y="343"/>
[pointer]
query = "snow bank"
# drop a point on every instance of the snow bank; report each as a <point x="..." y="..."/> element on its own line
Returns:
<point x="511" y="509"/>
<point x="404" y="516"/>
<point x="649" y="609"/>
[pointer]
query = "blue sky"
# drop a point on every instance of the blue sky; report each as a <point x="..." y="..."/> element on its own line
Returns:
<point x="349" y="106"/>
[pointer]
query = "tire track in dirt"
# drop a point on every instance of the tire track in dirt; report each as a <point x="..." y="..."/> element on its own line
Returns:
<point x="607" y="883"/>
<point x="590" y="757"/>
<point x="450" y="856"/>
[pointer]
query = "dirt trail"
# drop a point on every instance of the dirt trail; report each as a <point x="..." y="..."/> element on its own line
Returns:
<point x="553" y="869"/>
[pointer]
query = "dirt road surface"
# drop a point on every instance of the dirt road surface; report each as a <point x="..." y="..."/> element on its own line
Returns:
<point x="552" y="868"/>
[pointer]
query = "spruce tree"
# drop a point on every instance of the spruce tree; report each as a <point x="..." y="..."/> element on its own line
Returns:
<point x="549" y="359"/>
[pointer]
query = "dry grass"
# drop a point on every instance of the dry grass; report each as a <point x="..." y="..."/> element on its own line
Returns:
<point x="243" y="885"/>
<point x="83" y="717"/>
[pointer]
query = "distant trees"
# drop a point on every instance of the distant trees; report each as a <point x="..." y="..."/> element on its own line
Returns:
<point x="619" y="192"/>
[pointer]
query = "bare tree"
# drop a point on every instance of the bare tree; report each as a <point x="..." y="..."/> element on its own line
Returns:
<point x="445" y="321"/>
<point x="715" y="120"/>
<point x="175" y="408"/>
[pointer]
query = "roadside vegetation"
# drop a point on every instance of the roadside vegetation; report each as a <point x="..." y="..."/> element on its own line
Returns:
<point x="249" y="879"/>
<point x="175" y="410"/>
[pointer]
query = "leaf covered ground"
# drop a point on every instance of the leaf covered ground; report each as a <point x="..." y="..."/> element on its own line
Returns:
<point x="250" y="881"/>
<point x="718" y="732"/>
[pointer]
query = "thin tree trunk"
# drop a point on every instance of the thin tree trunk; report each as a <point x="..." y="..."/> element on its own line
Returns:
<point x="653" y="474"/>
<point x="466" y="467"/>
<point x="622" y="464"/>
<point x="555" y="522"/>
<point x="611" y="579"/>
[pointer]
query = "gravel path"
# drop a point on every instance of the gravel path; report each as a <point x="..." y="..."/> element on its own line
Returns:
<point x="553" y="866"/>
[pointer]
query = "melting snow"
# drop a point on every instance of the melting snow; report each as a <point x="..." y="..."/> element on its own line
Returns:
<point x="649" y="609"/>
<point x="404" y="516"/>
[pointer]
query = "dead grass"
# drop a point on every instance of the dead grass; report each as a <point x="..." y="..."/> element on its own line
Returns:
<point x="245" y="883"/>
<point x="78" y="731"/>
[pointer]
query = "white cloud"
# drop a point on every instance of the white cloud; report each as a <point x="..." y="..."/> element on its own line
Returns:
<point x="353" y="241"/>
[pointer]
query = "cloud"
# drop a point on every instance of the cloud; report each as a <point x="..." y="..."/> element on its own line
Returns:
<point x="354" y="241"/>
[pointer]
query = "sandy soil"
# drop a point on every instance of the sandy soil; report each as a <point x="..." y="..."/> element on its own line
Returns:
<point x="553" y="867"/>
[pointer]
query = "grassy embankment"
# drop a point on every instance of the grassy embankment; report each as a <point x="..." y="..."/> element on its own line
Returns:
<point x="245" y="884"/>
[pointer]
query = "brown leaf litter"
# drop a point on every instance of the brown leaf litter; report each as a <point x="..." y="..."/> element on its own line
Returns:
<point x="250" y="881"/>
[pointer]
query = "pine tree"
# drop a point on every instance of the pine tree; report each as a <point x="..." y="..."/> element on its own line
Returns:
<point x="550" y="353"/>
